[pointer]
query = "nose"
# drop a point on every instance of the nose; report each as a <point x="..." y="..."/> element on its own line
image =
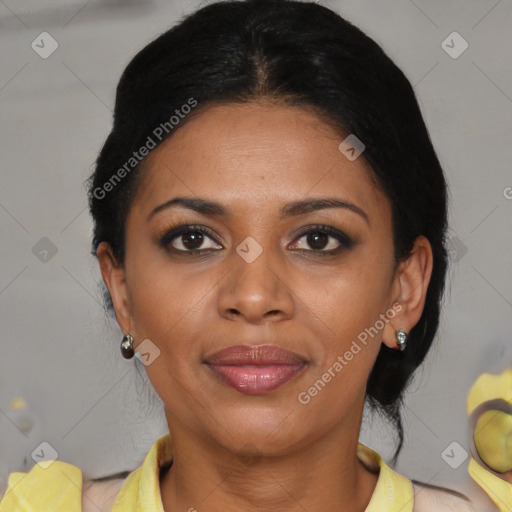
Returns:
<point x="256" y="292"/>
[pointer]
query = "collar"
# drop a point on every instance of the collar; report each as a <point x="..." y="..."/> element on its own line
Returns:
<point x="141" y="490"/>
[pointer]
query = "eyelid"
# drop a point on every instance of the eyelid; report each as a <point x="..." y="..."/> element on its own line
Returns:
<point x="180" y="220"/>
<point x="344" y="240"/>
<point x="168" y="235"/>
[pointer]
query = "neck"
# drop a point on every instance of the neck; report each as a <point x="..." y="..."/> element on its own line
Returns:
<point x="324" y="474"/>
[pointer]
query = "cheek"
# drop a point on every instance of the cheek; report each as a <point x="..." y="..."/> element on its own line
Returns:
<point x="168" y="309"/>
<point x="353" y="297"/>
<point x="345" y="354"/>
<point x="166" y="298"/>
<point x="347" y="312"/>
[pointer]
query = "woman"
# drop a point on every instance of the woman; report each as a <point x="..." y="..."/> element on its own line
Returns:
<point x="269" y="221"/>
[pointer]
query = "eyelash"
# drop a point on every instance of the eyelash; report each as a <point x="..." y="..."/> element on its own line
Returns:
<point x="169" y="236"/>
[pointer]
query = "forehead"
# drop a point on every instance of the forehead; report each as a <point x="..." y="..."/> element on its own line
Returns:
<point x="257" y="155"/>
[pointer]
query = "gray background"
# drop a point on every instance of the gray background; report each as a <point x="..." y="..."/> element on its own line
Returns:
<point x="58" y="349"/>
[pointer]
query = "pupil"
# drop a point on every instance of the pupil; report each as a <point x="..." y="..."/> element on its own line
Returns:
<point x="193" y="237"/>
<point x="315" y="240"/>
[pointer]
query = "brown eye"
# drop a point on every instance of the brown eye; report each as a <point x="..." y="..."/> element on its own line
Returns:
<point x="192" y="240"/>
<point x="317" y="240"/>
<point x="324" y="239"/>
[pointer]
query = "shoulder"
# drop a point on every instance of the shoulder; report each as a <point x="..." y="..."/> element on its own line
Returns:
<point x="101" y="494"/>
<point x="41" y="488"/>
<point x="431" y="498"/>
<point x="36" y="489"/>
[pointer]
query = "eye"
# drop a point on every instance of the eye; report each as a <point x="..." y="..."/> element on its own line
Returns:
<point x="192" y="240"/>
<point x="318" y="238"/>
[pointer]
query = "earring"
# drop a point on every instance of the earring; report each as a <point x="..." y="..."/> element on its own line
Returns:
<point x="127" y="347"/>
<point x="401" y="339"/>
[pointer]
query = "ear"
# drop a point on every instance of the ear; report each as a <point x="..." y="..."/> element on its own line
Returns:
<point x="114" y="276"/>
<point x="409" y="289"/>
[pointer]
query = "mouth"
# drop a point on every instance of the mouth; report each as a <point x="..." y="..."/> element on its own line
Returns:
<point x="254" y="370"/>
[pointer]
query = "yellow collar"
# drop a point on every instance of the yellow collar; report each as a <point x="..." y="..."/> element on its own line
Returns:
<point x="142" y="486"/>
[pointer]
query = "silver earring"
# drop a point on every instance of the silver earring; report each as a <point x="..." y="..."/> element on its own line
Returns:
<point x="127" y="347"/>
<point x="401" y="339"/>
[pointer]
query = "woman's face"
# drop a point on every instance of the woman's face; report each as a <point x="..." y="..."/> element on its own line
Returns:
<point x="257" y="278"/>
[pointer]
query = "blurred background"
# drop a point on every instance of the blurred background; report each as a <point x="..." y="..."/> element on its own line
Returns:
<point x="62" y="378"/>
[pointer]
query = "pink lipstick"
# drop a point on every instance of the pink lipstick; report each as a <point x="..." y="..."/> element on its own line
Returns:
<point x="255" y="369"/>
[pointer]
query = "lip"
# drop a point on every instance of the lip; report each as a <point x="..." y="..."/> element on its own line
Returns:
<point x="255" y="369"/>
<point x="255" y="355"/>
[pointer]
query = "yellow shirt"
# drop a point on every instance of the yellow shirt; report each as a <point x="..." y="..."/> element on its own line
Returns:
<point x="59" y="487"/>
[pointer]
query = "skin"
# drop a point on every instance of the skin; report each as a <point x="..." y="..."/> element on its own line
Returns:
<point x="268" y="452"/>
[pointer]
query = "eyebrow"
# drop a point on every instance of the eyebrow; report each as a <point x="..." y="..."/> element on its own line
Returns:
<point x="299" y="207"/>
